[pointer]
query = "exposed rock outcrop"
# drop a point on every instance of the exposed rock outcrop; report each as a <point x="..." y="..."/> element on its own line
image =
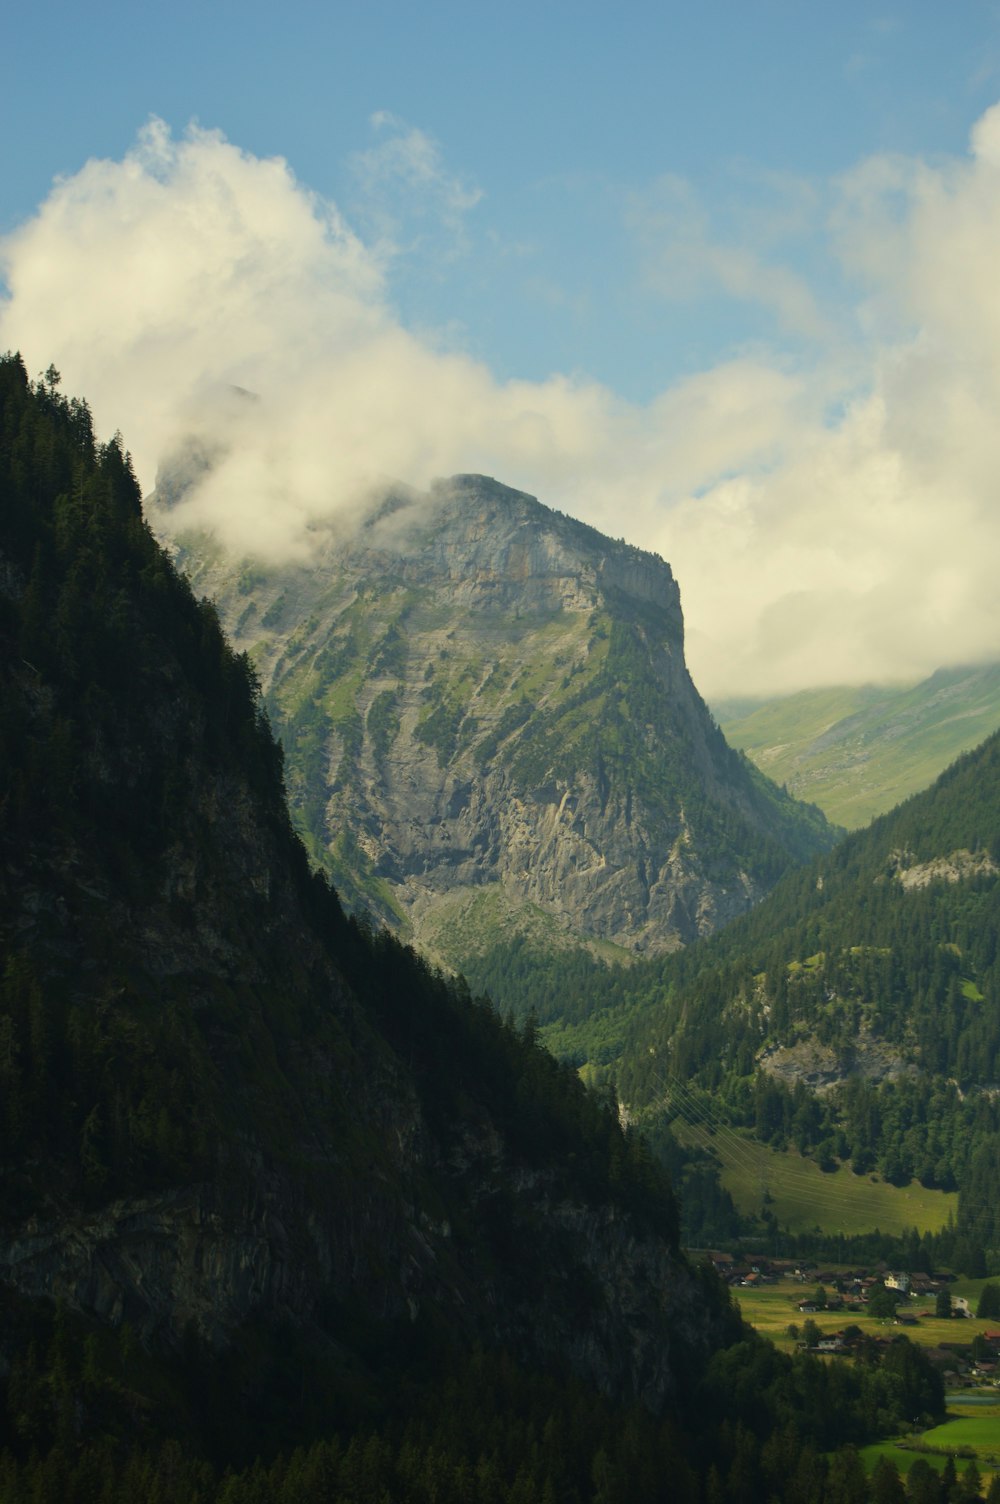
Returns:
<point x="820" y="1067"/>
<point x="956" y="867"/>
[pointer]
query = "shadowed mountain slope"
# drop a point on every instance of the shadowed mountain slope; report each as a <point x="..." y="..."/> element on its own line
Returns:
<point x="222" y="1100"/>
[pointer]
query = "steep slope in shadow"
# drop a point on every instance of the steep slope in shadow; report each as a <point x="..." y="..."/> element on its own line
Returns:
<point x="224" y="1102"/>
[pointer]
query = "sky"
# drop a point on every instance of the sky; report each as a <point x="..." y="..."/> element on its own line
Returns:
<point x="722" y="280"/>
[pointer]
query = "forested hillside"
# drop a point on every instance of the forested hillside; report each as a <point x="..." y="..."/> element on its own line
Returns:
<point x="855" y="1014"/>
<point x="270" y="1181"/>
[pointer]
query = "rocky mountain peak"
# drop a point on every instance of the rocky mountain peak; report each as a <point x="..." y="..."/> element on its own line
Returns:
<point x="499" y="546"/>
<point x="489" y="725"/>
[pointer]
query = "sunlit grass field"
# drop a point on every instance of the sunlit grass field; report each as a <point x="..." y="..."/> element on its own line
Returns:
<point x="981" y="1433"/>
<point x="802" y="1197"/>
<point x="904" y="1458"/>
<point x="964" y="1432"/>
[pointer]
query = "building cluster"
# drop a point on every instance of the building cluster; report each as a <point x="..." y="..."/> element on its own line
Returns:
<point x="913" y="1297"/>
<point x="844" y="1287"/>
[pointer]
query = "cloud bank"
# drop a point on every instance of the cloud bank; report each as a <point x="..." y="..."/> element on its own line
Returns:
<point x="833" y="523"/>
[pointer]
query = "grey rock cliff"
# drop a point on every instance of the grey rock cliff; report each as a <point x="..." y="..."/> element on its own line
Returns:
<point x="488" y="722"/>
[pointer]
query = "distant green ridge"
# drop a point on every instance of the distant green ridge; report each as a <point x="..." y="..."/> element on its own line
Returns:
<point x="859" y="751"/>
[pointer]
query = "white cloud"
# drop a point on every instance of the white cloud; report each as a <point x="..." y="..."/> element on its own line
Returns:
<point x="810" y="548"/>
<point x="684" y="258"/>
<point x="406" y="193"/>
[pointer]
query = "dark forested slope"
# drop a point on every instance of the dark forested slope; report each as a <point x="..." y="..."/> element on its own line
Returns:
<point x="207" y="1070"/>
<point x="267" y="1178"/>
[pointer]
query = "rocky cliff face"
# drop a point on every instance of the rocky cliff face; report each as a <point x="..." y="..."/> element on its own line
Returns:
<point x="488" y="722"/>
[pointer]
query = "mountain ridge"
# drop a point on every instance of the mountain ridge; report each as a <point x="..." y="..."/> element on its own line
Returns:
<point x="502" y="707"/>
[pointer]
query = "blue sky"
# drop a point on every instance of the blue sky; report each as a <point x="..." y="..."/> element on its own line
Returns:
<point x="659" y="233"/>
<point x="563" y="116"/>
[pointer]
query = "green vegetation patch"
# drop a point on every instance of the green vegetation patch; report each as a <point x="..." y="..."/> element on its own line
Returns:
<point x="900" y="1455"/>
<point x="275" y="611"/>
<point x="358" y="885"/>
<point x="803" y="1197"/>
<point x="463" y="924"/>
<point x="858" y="751"/>
<point x="512" y="719"/>
<point x="340" y="700"/>
<point x="979" y="1433"/>
<point x="960" y="1438"/>
<point x="383" y="722"/>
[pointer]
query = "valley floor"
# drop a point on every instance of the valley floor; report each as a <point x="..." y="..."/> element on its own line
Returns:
<point x="972" y="1427"/>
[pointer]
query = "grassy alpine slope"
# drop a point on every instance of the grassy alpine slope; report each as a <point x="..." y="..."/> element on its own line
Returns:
<point x="802" y="1197"/>
<point x="858" y="751"/>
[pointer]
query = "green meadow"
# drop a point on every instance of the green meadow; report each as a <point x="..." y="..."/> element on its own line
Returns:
<point x="803" y="1197"/>
<point x="969" y="1432"/>
<point x="905" y="1456"/>
<point x="966" y="1433"/>
<point x="858" y="751"/>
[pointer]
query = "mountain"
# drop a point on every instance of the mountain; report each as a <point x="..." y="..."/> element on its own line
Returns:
<point x="221" y="1098"/>
<point x="285" y="1214"/>
<point x="490" y="729"/>
<point x="856" y="752"/>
